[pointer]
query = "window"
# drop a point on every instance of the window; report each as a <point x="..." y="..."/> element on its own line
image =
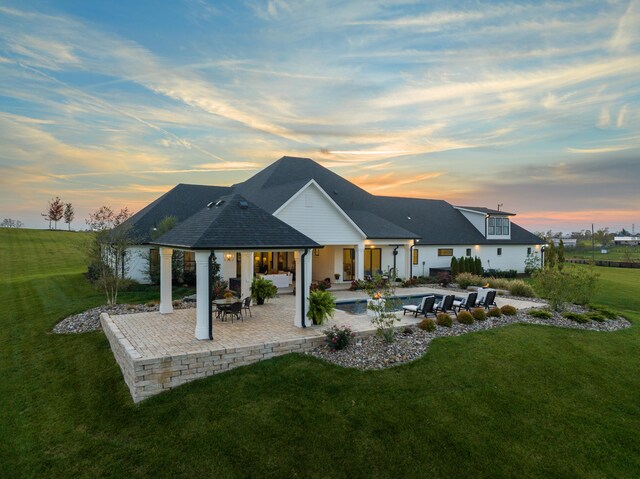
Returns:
<point x="528" y="251"/>
<point x="372" y="261"/>
<point x="445" y="251"/>
<point x="498" y="226"/>
<point x="415" y="256"/>
<point x="468" y="251"/>
<point x="499" y="251"/>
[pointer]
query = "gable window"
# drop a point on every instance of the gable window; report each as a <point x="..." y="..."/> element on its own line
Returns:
<point x="445" y="251"/>
<point x="415" y="256"/>
<point x="499" y="251"/>
<point x="468" y="251"/>
<point x="498" y="226"/>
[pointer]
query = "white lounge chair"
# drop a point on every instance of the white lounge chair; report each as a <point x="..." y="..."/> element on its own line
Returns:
<point x="412" y="308"/>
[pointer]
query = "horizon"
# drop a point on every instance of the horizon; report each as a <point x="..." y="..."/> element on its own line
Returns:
<point x="534" y="107"/>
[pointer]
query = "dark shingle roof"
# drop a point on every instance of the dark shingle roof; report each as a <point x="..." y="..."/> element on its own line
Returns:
<point x="235" y="225"/>
<point x="182" y="201"/>
<point x="486" y="211"/>
<point x="376" y="227"/>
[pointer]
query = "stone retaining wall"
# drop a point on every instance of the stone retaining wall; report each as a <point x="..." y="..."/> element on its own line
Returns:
<point x="147" y="377"/>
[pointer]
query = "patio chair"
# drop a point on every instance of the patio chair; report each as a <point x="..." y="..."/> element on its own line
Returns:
<point x="489" y="300"/>
<point x="446" y="305"/>
<point x="415" y="309"/>
<point x="234" y="310"/>
<point x="246" y="304"/>
<point x="468" y="303"/>
<point x="429" y="305"/>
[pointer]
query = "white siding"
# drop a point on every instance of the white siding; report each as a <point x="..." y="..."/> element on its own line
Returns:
<point x="476" y="219"/>
<point x="513" y="256"/>
<point x="138" y="263"/>
<point x="314" y="215"/>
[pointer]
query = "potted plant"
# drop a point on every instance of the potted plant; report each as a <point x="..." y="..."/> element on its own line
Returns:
<point x="322" y="304"/>
<point x="337" y="276"/>
<point x="262" y="289"/>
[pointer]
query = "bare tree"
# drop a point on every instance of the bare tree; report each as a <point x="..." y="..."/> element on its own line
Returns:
<point x="69" y="214"/>
<point x="46" y="217"/>
<point x="108" y="252"/>
<point x="55" y="212"/>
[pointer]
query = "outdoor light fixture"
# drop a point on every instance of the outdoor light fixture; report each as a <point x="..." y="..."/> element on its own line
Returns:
<point x="228" y="256"/>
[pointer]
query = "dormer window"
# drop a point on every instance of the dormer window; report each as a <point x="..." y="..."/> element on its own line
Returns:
<point x="498" y="226"/>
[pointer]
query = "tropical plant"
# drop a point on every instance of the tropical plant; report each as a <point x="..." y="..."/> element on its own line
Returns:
<point x="262" y="289"/>
<point x="322" y="305"/>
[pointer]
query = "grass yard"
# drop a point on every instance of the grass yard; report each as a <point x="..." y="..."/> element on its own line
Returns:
<point x="521" y="401"/>
<point x="614" y="253"/>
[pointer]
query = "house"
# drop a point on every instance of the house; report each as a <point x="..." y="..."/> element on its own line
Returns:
<point x="626" y="240"/>
<point x="297" y="219"/>
<point x="361" y="233"/>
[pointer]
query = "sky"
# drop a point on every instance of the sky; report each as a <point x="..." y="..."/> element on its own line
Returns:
<point x="534" y="106"/>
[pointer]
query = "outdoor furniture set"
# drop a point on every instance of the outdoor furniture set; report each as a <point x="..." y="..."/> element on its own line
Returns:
<point x="233" y="308"/>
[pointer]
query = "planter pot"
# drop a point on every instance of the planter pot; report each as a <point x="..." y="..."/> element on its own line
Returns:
<point x="259" y="301"/>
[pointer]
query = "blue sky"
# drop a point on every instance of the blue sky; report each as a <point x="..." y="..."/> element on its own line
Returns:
<point x="534" y="105"/>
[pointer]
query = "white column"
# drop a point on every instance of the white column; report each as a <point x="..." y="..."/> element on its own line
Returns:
<point x="408" y="259"/>
<point x="246" y="270"/>
<point x="300" y="291"/>
<point x="166" y="301"/>
<point x="202" y="294"/>
<point x="360" y="261"/>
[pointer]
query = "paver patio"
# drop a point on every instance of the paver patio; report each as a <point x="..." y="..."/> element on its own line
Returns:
<point x="159" y="351"/>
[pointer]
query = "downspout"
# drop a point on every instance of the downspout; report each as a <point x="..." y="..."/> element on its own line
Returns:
<point x="211" y="254"/>
<point x="411" y="260"/>
<point x="302" y="286"/>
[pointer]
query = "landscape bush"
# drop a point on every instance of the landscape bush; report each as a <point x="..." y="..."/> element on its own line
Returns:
<point x="567" y="286"/>
<point x="540" y="313"/>
<point x="443" y="319"/>
<point x="517" y="287"/>
<point x="508" y="310"/>
<point x="494" y="312"/>
<point x="427" y="324"/>
<point x="606" y="312"/>
<point x="479" y="314"/>
<point x="444" y="278"/>
<point x="498" y="283"/>
<point x="577" y="317"/>
<point x="338" y="337"/>
<point x="465" y="280"/>
<point x="465" y="317"/>
<point x="596" y="316"/>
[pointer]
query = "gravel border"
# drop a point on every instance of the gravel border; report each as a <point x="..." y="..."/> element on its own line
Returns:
<point x="411" y="343"/>
<point x="89" y="320"/>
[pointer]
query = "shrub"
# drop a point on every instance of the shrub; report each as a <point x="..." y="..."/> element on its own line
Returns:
<point x="465" y="317"/>
<point x="560" y="287"/>
<point x="454" y="267"/>
<point x="427" y="324"/>
<point x="465" y="280"/>
<point x="407" y="330"/>
<point x="577" y="317"/>
<point x="517" y="287"/>
<point x="479" y="314"/>
<point x="444" y="278"/>
<point x="407" y="283"/>
<point x="607" y="313"/>
<point x="540" y="313"/>
<point x="478" y="266"/>
<point x="498" y="283"/>
<point x="443" y="319"/>
<point x="596" y="316"/>
<point x="462" y="267"/>
<point x="339" y="337"/>
<point x="494" y="312"/>
<point x="508" y="310"/>
<point x="357" y="284"/>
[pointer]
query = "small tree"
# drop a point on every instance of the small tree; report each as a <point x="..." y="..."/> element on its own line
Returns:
<point x="108" y="251"/>
<point x="532" y="263"/>
<point x="478" y="266"/>
<point x="454" y="267"/>
<point x="560" y="255"/>
<point x="11" y="223"/>
<point x="69" y="214"/>
<point x="55" y="211"/>
<point x="381" y="294"/>
<point x="550" y="256"/>
<point x="469" y="264"/>
<point x="462" y="267"/>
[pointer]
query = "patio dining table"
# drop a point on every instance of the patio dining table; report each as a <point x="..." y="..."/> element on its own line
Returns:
<point x="224" y="304"/>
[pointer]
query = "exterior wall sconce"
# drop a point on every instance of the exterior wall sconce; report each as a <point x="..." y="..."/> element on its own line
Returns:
<point x="228" y="256"/>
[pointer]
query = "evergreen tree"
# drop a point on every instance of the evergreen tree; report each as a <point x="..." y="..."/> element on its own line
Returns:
<point x="550" y="255"/>
<point x="461" y="265"/>
<point x="454" y="267"/>
<point x="468" y="264"/>
<point x="478" y="266"/>
<point x="560" y="255"/>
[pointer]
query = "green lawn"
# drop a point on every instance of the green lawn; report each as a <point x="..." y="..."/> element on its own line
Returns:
<point x="614" y="253"/>
<point x="521" y="401"/>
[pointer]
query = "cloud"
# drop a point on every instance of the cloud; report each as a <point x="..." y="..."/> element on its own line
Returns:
<point x="622" y="116"/>
<point x="626" y="32"/>
<point x="604" y="149"/>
